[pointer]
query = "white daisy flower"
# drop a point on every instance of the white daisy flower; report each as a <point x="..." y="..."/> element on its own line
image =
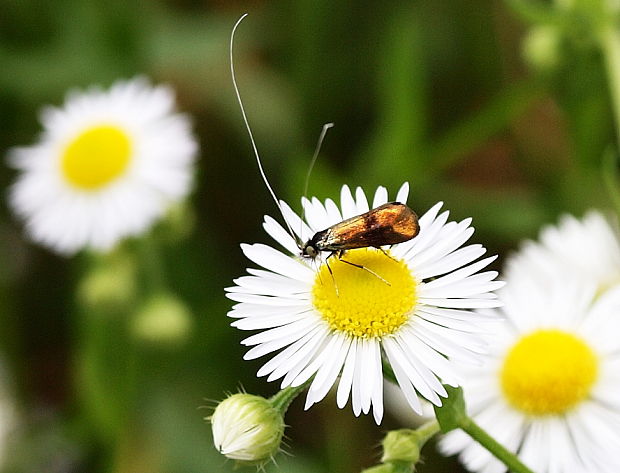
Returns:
<point x="107" y="165"/>
<point x="588" y="248"/>
<point x="549" y="389"/>
<point x="413" y="309"/>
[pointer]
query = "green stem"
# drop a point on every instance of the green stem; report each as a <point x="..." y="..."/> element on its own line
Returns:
<point x="152" y="264"/>
<point x="428" y="430"/>
<point x="282" y="399"/>
<point x="610" y="44"/>
<point x="499" y="451"/>
<point x="611" y="177"/>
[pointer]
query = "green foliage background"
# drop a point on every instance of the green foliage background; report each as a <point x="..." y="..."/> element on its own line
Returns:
<point x="434" y="93"/>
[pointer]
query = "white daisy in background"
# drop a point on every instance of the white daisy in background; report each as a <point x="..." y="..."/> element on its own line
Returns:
<point x="107" y="165"/>
<point x="549" y="389"/>
<point x="588" y="248"/>
<point x="413" y="310"/>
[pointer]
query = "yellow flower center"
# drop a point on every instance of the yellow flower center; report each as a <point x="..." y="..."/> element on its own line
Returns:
<point x="548" y="372"/>
<point x="96" y="157"/>
<point x="360" y="303"/>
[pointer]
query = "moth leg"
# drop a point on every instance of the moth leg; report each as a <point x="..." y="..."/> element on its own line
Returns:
<point x="386" y="253"/>
<point x="365" y="269"/>
<point x="332" y="273"/>
<point x="316" y="268"/>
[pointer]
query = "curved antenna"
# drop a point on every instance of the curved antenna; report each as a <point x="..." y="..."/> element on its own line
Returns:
<point x="319" y="143"/>
<point x="326" y="127"/>
<point x="247" y="126"/>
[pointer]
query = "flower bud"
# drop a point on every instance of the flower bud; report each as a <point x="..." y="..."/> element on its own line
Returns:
<point x="542" y="47"/>
<point x="110" y="283"/>
<point x="162" y="319"/>
<point x="402" y="445"/>
<point x="247" y="428"/>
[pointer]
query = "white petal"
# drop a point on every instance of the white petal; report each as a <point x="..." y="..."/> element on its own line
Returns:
<point x="403" y="193"/>
<point x="402" y="378"/>
<point x="301" y="229"/>
<point x="453" y="237"/>
<point x="331" y="348"/>
<point x="277" y="262"/>
<point x="380" y="198"/>
<point x="450" y="262"/>
<point x="329" y="371"/>
<point x="279" y="234"/>
<point x="304" y="345"/>
<point x="418" y="380"/>
<point x="346" y="380"/>
<point x="347" y="203"/>
<point x="333" y="212"/>
<point x="292" y="332"/>
<point x="360" y="201"/>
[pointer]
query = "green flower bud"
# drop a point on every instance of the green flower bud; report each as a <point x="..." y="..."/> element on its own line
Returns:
<point x="162" y="319"/>
<point x="542" y="48"/>
<point x="110" y="284"/>
<point x="402" y="445"/>
<point x="247" y="428"/>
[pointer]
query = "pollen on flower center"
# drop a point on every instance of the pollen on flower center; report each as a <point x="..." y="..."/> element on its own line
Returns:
<point x="360" y="303"/>
<point x="548" y="372"/>
<point x="96" y="156"/>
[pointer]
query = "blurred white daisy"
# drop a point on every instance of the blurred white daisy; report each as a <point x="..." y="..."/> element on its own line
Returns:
<point x="588" y="248"/>
<point x="413" y="310"/>
<point x="549" y="389"/>
<point x="107" y="164"/>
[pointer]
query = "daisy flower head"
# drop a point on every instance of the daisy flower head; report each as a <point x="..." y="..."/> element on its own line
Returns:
<point x="107" y="165"/>
<point x="327" y="318"/>
<point x="549" y="387"/>
<point x="588" y="248"/>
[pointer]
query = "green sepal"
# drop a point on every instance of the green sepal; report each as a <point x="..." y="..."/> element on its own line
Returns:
<point x="451" y="415"/>
<point x="391" y="467"/>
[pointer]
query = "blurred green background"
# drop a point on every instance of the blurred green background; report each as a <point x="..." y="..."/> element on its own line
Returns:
<point x="499" y="109"/>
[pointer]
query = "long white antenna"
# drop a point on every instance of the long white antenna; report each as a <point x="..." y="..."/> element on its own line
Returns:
<point x="326" y="127"/>
<point x="247" y="126"/>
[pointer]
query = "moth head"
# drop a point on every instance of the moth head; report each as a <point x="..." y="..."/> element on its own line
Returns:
<point x="309" y="250"/>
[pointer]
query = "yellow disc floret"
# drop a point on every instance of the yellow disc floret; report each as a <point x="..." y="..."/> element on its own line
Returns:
<point x="96" y="157"/>
<point x="361" y="303"/>
<point x="548" y="372"/>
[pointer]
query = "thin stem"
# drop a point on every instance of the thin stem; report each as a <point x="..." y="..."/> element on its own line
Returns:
<point x="152" y="264"/>
<point x="499" y="451"/>
<point x="282" y="399"/>
<point x="428" y="430"/>
<point x="610" y="44"/>
<point x="611" y="177"/>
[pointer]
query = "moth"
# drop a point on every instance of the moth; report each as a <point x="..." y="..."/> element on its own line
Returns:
<point x="388" y="224"/>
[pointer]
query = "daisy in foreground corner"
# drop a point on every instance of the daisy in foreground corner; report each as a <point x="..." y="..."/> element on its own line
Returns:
<point x="549" y="389"/>
<point x="107" y="164"/>
<point x="412" y="308"/>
